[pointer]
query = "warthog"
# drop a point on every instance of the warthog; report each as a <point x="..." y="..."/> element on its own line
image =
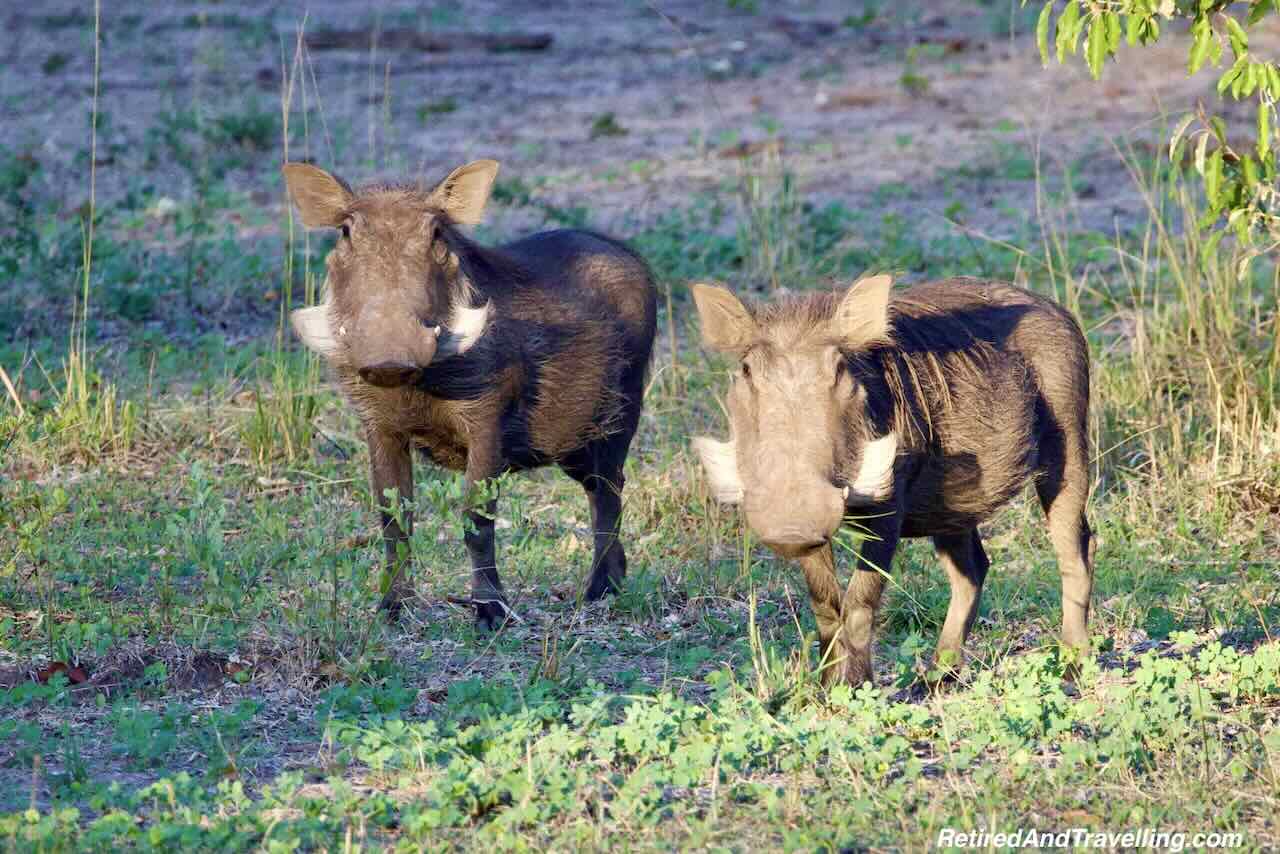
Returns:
<point x="487" y="360"/>
<point x="921" y="412"/>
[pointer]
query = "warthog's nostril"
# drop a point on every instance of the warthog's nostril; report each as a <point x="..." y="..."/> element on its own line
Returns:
<point x="389" y="374"/>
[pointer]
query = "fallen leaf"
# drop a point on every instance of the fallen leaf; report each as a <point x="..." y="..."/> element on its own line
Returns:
<point x="75" y="675"/>
<point x="356" y="541"/>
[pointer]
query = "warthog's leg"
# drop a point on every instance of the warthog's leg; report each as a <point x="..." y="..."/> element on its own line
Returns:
<point x="599" y="470"/>
<point x="1063" y="492"/>
<point x="824" y="596"/>
<point x="598" y="467"/>
<point x="484" y="461"/>
<point x="391" y="467"/>
<point x="966" y="564"/>
<point x="609" y="564"/>
<point x="862" y="598"/>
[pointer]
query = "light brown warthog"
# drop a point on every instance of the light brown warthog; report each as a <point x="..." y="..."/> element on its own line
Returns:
<point x="922" y="412"/>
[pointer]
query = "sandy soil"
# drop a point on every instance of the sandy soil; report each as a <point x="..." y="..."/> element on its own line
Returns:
<point x="689" y="85"/>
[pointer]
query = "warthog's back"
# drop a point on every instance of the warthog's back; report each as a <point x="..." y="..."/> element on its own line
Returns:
<point x="583" y="310"/>
<point x="986" y="375"/>
<point x="572" y="265"/>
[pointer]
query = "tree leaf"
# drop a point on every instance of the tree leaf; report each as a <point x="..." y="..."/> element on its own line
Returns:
<point x="1211" y="245"/>
<point x="1219" y="129"/>
<point x="1135" y="25"/>
<point x="1178" y="131"/>
<point x="1249" y="169"/>
<point x="1096" y="46"/>
<point x="1202" y="36"/>
<point x="1251" y="73"/>
<point x="1242" y="80"/>
<point x="1224" y="82"/>
<point x="1213" y="178"/>
<point x="1264" y="130"/>
<point x="1068" y="29"/>
<point x="1042" y="31"/>
<point x="1243" y="269"/>
<point x="1239" y="39"/>
<point x="1243" y="224"/>
<point x="1202" y="146"/>
<point x="1113" y="32"/>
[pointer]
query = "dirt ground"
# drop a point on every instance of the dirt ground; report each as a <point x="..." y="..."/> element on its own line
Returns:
<point x="858" y="96"/>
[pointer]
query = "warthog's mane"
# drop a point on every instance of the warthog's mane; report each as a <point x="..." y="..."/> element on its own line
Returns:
<point x="931" y="348"/>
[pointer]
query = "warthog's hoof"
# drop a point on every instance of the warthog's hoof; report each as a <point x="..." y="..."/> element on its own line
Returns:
<point x="947" y="666"/>
<point x="392" y="606"/>
<point x="603" y="585"/>
<point x="491" y="616"/>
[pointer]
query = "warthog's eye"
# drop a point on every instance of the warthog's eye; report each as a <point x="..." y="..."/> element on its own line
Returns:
<point x="746" y="371"/>
<point x="346" y="231"/>
<point x="842" y="368"/>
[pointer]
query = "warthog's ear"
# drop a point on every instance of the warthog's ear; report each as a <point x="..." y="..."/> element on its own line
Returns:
<point x="314" y="328"/>
<point x="720" y="461"/>
<point x="321" y="198"/>
<point x="726" y="323"/>
<point x="862" y="319"/>
<point x="465" y="192"/>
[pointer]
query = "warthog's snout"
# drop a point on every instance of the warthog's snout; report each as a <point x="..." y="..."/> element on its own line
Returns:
<point x="388" y="366"/>
<point x="792" y="509"/>
<point x="389" y="374"/>
<point x="795" y="542"/>
<point x="389" y="347"/>
<point x="795" y="521"/>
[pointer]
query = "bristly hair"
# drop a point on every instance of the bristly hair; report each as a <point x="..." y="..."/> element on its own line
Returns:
<point x="796" y="319"/>
<point x="917" y="371"/>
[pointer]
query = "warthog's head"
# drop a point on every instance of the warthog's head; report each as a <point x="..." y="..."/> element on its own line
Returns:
<point x="393" y="297"/>
<point x="803" y="448"/>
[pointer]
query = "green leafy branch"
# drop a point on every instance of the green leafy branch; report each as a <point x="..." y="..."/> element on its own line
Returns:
<point x="1239" y="180"/>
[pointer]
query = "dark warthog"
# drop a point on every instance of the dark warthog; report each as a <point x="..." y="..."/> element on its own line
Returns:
<point x="921" y="412"/>
<point x="488" y="360"/>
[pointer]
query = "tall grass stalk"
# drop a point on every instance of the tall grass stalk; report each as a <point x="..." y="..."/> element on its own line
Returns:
<point x="87" y="422"/>
<point x="769" y="231"/>
<point x="286" y="402"/>
<point x="1186" y="377"/>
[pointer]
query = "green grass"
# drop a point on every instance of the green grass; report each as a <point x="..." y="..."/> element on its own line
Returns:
<point x="229" y="547"/>
<point x="185" y="523"/>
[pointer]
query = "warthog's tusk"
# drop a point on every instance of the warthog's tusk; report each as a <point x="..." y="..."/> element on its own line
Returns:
<point x="720" y="461"/>
<point x="874" y="481"/>
<point x="846" y="493"/>
<point x="312" y="326"/>
<point x="436" y="330"/>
